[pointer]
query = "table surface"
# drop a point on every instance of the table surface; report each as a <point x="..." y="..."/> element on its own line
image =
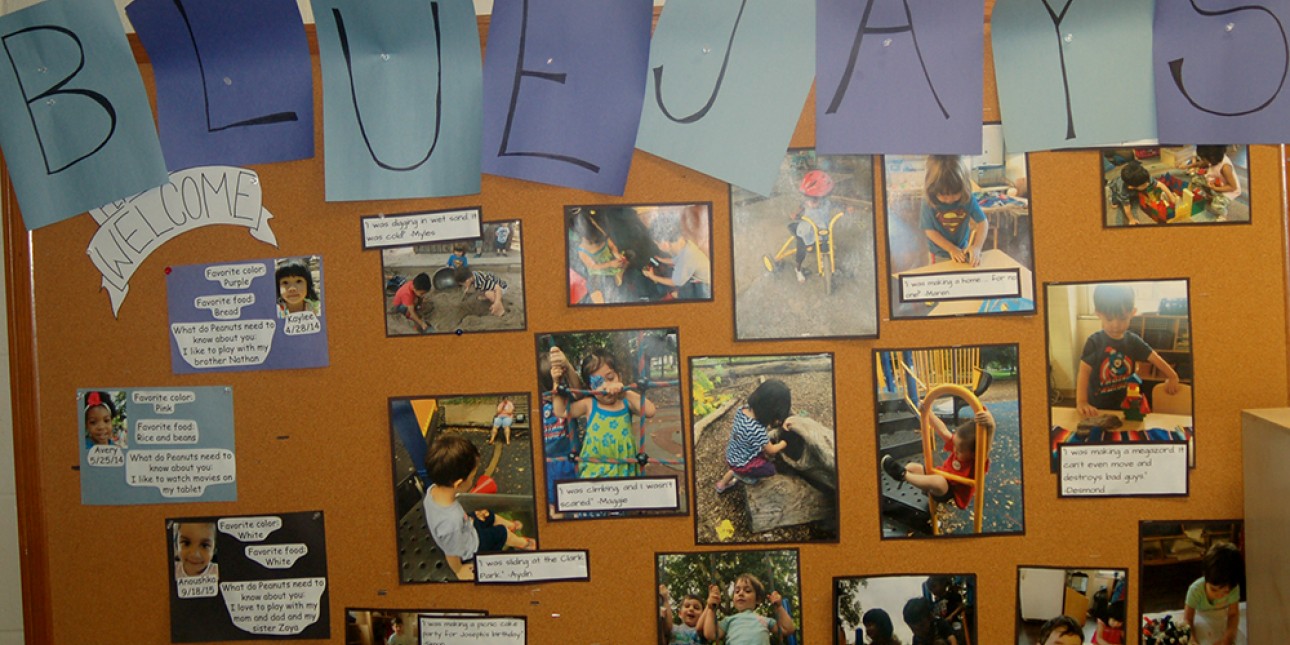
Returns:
<point x="1069" y="418"/>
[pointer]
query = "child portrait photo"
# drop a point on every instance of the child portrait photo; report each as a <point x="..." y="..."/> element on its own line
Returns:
<point x="733" y="597"/>
<point x="764" y="449"/>
<point x="1057" y="606"/>
<point x="299" y="282"/>
<point x="949" y="441"/>
<point x="103" y="418"/>
<point x="804" y="255"/>
<point x="1192" y="184"/>
<point x="463" y="482"/>
<point x="1193" y="582"/>
<point x="611" y="408"/>
<point x="959" y="232"/>
<point x="639" y="254"/>
<point x="470" y="285"/>
<point x="890" y="610"/>
<point x="1119" y="363"/>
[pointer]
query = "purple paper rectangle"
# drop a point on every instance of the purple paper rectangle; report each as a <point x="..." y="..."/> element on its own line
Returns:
<point x="234" y="80"/>
<point x="1221" y="73"/>
<point x="898" y="77"/>
<point x="564" y="82"/>
<point x="231" y="316"/>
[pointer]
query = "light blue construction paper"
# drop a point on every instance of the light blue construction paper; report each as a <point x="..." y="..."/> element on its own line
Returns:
<point x="1107" y="48"/>
<point x="898" y="77"/>
<point x="743" y="136"/>
<point x="66" y="152"/>
<point x="417" y="81"/>
<point x="157" y="481"/>
<point x="1236" y="90"/>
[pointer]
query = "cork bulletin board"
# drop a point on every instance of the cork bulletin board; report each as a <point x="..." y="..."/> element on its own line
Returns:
<point x="319" y="439"/>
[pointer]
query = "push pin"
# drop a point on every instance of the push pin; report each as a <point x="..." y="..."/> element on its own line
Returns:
<point x="1069" y="37"/>
<point x="1230" y="26"/>
<point x="385" y="57"/>
<point x="886" y="42"/>
<point x="459" y="331"/>
<point x="228" y="81"/>
<point x="707" y="50"/>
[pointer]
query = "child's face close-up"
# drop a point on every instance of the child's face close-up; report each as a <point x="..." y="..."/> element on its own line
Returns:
<point x="293" y="289"/>
<point x="98" y="424"/>
<point x="949" y="198"/>
<point x="1217" y="592"/>
<point x="745" y="597"/>
<point x="603" y="376"/>
<point x="690" y="611"/>
<point x="1116" y="325"/>
<point x="196" y="546"/>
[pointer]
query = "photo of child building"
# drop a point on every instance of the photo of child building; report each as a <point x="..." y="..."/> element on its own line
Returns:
<point x="1081" y="605"/>
<point x="1193" y="582"/>
<point x="1191" y="184"/>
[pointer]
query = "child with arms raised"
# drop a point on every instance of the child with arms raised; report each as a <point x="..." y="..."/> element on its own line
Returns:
<point x="746" y="627"/>
<point x="951" y="218"/>
<point x="609" y="446"/>
<point x="452" y="462"/>
<point x="692" y="612"/>
<point x="558" y="433"/>
<point x="1108" y="363"/>
<point x="750" y="450"/>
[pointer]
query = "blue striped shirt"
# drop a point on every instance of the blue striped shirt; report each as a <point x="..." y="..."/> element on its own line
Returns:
<point x="747" y="439"/>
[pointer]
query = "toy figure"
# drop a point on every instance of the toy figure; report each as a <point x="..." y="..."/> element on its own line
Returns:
<point x="1135" y="404"/>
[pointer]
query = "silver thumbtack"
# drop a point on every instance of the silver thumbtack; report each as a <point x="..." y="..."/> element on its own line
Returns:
<point x="886" y="42"/>
<point x="385" y="57"/>
<point x="707" y="50"/>
<point x="1069" y="37"/>
<point x="228" y="81"/>
<point x="1230" y="26"/>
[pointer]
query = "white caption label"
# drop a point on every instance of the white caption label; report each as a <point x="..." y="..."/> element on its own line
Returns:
<point x="536" y="566"/>
<point x="617" y="495"/>
<point x="471" y="631"/>
<point x="1123" y="469"/>
<point x="404" y="230"/>
<point x="969" y="285"/>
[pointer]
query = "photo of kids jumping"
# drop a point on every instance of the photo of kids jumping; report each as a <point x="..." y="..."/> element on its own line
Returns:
<point x="808" y="246"/>
<point x="764" y="449"/>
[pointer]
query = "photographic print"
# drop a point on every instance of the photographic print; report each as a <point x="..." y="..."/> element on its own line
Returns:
<point x="732" y="596"/>
<point x="959" y="232"/>
<point x="1057" y="606"/>
<point x="1120" y="363"/>
<point x="611" y="423"/>
<point x="764" y="448"/>
<point x="463" y="482"/>
<point x="1192" y="184"/>
<point x="470" y="285"/>
<point x="889" y="610"/>
<point x="949" y="441"/>
<point x="804" y="255"/>
<point x="1193" y="582"/>
<point x="639" y="254"/>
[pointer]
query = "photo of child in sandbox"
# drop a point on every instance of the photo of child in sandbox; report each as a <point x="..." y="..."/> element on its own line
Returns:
<point x="471" y="285"/>
<point x="1192" y="184"/>
<point x="732" y="597"/>
<point x="959" y="214"/>
<point x="890" y="610"/>
<point x="639" y="254"/>
<point x="1193" y="582"/>
<point x="1119" y="363"/>
<point x="459" y="490"/>
<point x="611" y="407"/>
<point x="1057" y="606"/>
<point x="949" y="441"/>
<point x="104" y="418"/>
<point x="808" y="246"/>
<point x="764" y="449"/>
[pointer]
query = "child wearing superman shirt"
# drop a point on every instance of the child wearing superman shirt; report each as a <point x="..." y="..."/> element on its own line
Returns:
<point x="951" y="217"/>
<point x="1108" y="363"/>
<point x="961" y="444"/>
